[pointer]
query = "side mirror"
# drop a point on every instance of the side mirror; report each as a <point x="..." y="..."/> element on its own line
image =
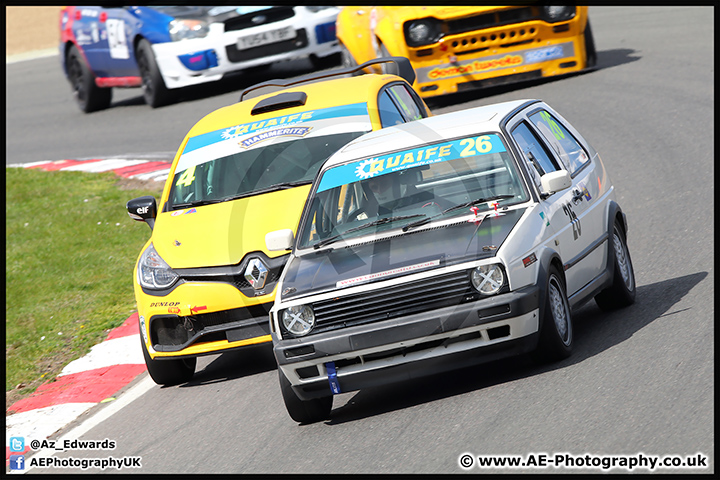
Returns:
<point x="143" y="209"/>
<point x="279" y="240"/>
<point x="554" y="182"/>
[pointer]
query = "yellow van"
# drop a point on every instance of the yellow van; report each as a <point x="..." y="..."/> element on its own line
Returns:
<point x="205" y="281"/>
<point x="453" y="49"/>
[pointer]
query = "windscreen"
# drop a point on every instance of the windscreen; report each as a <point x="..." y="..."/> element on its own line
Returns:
<point x="393" y="190"/>
<point x="254" y="158"/>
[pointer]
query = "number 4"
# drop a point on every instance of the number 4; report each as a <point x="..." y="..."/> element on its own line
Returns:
<point x="187" y="177"/>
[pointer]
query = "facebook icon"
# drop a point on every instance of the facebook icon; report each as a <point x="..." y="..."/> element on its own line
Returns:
<point x="17" y="462"/>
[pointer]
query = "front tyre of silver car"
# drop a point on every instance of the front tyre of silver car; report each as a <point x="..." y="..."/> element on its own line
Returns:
<point x="622" y="291"/>
<point x="304" y="411"/>
<point x="169" y="372"/>
<point x="556" y="328"/>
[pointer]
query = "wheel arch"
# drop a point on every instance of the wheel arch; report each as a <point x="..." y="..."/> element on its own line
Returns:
<point x="548" y="258"/>
<point x="614" y="213"/>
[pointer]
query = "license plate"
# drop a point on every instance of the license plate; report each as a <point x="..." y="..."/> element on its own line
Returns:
<point x="271" y="36"/>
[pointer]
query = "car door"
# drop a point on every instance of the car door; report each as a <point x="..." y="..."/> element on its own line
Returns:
<point x="565" y="211"/>
<point x="586" y="253"/>
<point x="104" y="34"/>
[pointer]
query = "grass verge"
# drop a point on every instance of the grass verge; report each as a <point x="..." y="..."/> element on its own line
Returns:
<point x="69" y="257"/>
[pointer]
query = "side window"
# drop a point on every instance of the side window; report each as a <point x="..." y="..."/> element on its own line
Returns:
<point x="407" y="103"/>
<point x="538" y="161"/>
<point x="571" y="154"/>
<point x="389" y="113"/>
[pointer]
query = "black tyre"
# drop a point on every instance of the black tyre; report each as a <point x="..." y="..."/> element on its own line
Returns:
<point x="169" y="372"/>
<point x="556" y="330"/>
<point x="622" y="291"/>
<point x="590" y="52"/>
<point x="304" y="411"/>
<point x="88" y="95"/>
<point x="154" y="90"/>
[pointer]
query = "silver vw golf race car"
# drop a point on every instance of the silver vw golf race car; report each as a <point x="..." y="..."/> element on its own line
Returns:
<point x="443" y="243"/>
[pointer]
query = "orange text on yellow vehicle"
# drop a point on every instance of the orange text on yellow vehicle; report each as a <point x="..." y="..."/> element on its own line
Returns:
<point x="461" y="48"/>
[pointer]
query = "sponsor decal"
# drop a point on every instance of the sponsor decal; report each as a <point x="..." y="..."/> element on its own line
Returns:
<point x="427" y="154"/>
<point x="238" y="130"/>
<point x="544" y="54"/>
<point x="279" y="132"/>
<point x="252" y="128"/>
<point x="478" y="66"/>
<point x="547" y="221"/>
<point x="175" y="310"/>
<point x="495" y="62"/>
<point x="387" y="273"/>
<point x="182" y="212"/>
<point x="529" y="260"/>
<point x="164" y="304"/>
<point x="585" y="191"/>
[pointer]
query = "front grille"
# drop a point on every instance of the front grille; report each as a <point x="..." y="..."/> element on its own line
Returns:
<point x="400" y="300"/>
<point x="172" y="332"/>
<point x="488" y="20"/>
<point x="235" y="275"/>
<point x="502" y="80"/>
<point x="262" y="17"/>
<point x="235" y="55"/>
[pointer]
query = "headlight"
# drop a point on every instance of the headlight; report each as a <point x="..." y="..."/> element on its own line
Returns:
<point x="555" y="14"/>
<point x="422" y="32"/>
<point x="488" y="279"/>
<point x="298" y="320"/>
<point x="184" y="29"/>
<point x="153" y="272"/>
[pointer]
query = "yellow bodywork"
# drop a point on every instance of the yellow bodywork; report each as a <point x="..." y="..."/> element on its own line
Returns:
<point x="222" y="234"/>
<point x="493" y="52"/>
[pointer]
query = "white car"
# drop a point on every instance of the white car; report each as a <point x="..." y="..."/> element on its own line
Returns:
<point x="442" y="243"/>
<point x="254" y="36"/>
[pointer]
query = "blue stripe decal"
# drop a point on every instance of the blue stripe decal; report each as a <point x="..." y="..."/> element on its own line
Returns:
<point x="425" y="155"/>
<point x="294" y="120"/>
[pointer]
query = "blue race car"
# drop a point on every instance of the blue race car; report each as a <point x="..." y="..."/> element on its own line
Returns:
<point x="163" y="48"/>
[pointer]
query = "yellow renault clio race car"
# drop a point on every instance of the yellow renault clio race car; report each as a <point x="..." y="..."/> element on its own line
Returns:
<point x="205" y="281"/>
<point x="454" y="48"/>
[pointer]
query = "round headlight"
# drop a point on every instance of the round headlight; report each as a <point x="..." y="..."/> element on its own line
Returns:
<point x="559" y="13"/>
<point x="419" y="32"/>
<point x="422" y="32"/>
<point x="298" y="320"/>
<point x="488" y="279"/>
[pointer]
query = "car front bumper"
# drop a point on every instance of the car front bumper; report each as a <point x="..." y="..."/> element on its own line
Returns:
<point x="201" y="318"/>
<point x="200" y="60"/>
<point x="412" y="346"/>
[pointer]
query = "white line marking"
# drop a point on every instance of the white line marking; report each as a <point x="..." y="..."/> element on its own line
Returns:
<point x="106" y="412"/>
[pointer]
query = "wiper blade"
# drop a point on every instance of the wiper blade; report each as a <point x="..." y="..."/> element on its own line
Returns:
<point x="198" y="203"/>
<point x="478" y="200"/>
<point x="455" y="207"/>
<point x="380" y="221"/>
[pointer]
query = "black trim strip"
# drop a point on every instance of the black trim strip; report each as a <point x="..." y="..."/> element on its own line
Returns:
<point x="586" y="252"/>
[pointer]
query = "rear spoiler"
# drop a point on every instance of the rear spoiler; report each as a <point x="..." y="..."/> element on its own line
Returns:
<point x="402" y="68"/>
